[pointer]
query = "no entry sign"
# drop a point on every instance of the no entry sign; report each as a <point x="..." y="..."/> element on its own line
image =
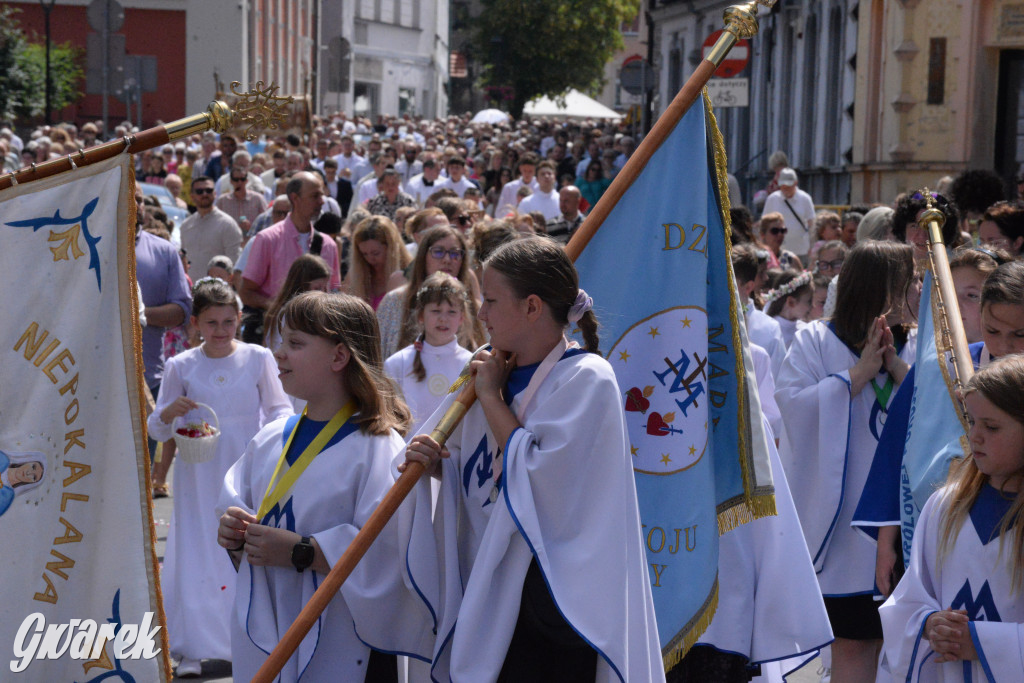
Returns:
<point x="737" y="59"/>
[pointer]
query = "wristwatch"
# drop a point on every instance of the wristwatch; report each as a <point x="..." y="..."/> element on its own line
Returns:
<point x="303" y="554"/>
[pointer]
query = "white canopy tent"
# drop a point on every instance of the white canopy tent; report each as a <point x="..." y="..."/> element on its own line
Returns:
<point x="577" y="106"/>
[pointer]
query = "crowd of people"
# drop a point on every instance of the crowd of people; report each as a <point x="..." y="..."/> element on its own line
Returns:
<point x="444" y="236"/>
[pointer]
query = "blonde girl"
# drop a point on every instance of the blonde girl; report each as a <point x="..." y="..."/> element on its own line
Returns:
<point x="377" y="252"/>
<point x="958" y="613"/>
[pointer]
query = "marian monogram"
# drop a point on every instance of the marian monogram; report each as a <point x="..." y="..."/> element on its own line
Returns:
<point x="661" y="364"/>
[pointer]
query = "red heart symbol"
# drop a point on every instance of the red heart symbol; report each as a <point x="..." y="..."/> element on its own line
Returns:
<point x="656" y="426"/>
<point x="635" y="401"/>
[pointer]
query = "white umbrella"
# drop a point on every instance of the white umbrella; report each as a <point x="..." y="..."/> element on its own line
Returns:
<point x="490" y="116"/>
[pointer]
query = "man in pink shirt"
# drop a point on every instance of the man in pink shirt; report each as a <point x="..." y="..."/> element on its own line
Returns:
<point x="274" y="250"/>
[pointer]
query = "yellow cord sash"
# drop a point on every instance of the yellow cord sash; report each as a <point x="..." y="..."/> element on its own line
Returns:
<point x="277" y="489"/>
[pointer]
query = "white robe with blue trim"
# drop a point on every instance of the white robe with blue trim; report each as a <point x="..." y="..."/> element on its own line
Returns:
<point x="971" y="577"/>
<point x="827" y="449"/>
<point x="330" y="502"/>
<point x="570" y="500"/>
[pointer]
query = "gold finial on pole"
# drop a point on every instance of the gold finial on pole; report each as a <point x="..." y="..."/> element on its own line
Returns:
<point x="260" y="108"/>
<point x="740" y="22"/>
<point x="216" y="117"/>
<point x="950" y="327"/>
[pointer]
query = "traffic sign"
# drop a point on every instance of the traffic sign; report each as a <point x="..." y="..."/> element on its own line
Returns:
<point x="737" y="59"/>
<point x="729" y="92"/>
<point x="637" y="76"/>
<point x="108" y="11"/>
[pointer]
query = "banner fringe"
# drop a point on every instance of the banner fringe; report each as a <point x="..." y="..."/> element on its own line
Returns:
<point x="131" y="292"/>
<point x="677" y="649"/>
<point x="747" y="511"/>
<point x="745" y="453"/>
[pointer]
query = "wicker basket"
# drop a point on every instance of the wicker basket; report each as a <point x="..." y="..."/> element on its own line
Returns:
<point x="197" y="449"/>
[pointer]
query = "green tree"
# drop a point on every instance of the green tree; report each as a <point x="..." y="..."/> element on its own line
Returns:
<point x="23" y="71"/>
<point x="14" y="82"/>
<point x="545" y="47"/>
<point x="65" y="77"/>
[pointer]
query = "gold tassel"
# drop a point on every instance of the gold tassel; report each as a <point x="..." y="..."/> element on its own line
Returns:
<point x="674" y="652"/>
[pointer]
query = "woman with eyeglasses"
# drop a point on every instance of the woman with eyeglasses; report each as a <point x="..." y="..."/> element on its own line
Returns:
<point x="830" y="258"/>
<point x="593" y="184"/>
<point x="442" y="249"/>
<point x="773" y="232"/>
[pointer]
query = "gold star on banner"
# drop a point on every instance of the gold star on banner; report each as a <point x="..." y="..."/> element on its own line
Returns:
<point x="633" y="449"/>
<point x="665" y="459"/>
<point x="654" y="332"/>
<point x="693" y="449"/>
<point x="624" y="355"/>
<point x="686" y="322"/>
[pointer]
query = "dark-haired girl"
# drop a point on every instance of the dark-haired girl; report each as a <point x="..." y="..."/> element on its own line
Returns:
<point x="541" y="573"/>
<point x="239" y="382"/>
<point x="833" y="390"/>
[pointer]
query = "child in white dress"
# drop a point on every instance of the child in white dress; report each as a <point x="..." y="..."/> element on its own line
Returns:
<point x="426" y="369"/>
<point x="239" y="382"/>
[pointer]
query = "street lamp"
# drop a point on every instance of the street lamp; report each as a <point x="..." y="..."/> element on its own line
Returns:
<point x="47" y="6"/>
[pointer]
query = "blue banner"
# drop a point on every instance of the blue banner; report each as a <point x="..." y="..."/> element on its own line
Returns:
<point x="660" y="274"/>
<point x="935" y="427"/>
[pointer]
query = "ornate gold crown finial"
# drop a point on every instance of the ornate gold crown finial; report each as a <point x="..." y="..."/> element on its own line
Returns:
<point x="260" y="108"/>
<point x="930" y="213"/>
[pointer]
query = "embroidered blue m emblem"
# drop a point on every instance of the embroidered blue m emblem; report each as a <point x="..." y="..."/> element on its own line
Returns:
<point x="981" y="609"/>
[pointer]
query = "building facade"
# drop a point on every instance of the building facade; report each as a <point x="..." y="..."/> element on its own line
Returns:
<point x="392" y="59"/>
<point x="868" y="98"/>
<point x="802" y="79"/>
<point x="368" y="56"/>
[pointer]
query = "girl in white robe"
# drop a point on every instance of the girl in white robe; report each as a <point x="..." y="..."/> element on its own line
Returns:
<point x="304" y="487"/>
<point x="425" y="370"/>
<point x="958" y="612"/>
<point x="790" y="301"/>
<point x="538" y="570"/>
<point x="239" y="382"/>
<point x="833" y="391"/>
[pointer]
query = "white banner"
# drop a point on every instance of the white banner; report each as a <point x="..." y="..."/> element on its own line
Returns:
<point x="80" y="599"/>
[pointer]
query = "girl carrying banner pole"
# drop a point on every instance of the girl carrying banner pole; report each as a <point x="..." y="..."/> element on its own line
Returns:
<point x="542" y="573"/>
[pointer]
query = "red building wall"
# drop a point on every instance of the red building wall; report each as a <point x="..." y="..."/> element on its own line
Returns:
<point x="147" y="32"/>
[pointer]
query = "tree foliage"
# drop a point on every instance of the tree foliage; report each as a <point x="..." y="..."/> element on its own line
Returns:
<point x="14" y="83"/>
<point x="545" y="47"/>
<point x="23" y="71"/>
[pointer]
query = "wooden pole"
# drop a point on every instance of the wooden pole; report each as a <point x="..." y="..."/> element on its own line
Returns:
<point x="741" y="22"/>
<point x="217" y="116"/>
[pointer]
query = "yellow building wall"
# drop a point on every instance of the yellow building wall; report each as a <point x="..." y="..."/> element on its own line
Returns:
<point x="900" y="141"/>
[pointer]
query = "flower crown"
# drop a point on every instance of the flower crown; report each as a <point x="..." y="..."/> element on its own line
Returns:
<point x="206" y="281"/>
<point x="787" y="289"/>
